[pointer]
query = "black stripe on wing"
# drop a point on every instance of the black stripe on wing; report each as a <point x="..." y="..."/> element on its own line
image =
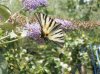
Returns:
<point x="43" y="19"/>
<point x="57" y="37"/>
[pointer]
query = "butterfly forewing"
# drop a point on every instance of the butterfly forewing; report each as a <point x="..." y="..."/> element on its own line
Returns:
<point x="50" y="28"/>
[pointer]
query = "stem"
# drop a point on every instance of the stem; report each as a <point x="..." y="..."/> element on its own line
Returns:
<point x="10" y="41"/>
<point x="4" y="37"/>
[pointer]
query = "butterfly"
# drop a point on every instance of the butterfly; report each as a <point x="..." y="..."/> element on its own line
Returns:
<point x="50" y="29"/>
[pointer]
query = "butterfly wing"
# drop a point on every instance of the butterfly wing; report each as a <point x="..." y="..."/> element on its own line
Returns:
<point x="50" y="29"/>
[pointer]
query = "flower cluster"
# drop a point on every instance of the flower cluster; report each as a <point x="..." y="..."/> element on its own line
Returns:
<point x="34" y="31"/>
<point x="33" y="4"/>
<point x="65" y="24"/>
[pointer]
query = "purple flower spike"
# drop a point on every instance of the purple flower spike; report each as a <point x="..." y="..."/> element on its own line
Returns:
<point x="65" y="24"/>
<point x="34" y="32"/>
<point x="33" y="4"/>
<point x="42" y="2"/>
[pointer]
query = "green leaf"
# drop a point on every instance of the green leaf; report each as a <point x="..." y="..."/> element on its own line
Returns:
<point x="4" y="12"/>
<point x="1" y="31"/>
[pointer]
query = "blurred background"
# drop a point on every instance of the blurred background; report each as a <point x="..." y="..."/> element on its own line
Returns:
<point x="26" y="56"/>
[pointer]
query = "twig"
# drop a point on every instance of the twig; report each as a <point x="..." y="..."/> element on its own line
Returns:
<point x="10" y="41"/>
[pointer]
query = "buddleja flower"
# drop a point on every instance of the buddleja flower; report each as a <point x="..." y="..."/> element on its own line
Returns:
<point x="34" y="31"/>
<point x="33" y="4"/>
<point x="65" y="24"/>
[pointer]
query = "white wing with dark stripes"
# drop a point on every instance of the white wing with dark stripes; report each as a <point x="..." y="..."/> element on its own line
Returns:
<point x="51" y="30"/>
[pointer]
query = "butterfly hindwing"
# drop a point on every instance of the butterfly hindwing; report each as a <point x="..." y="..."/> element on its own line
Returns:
<point x="51" y="30"/>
